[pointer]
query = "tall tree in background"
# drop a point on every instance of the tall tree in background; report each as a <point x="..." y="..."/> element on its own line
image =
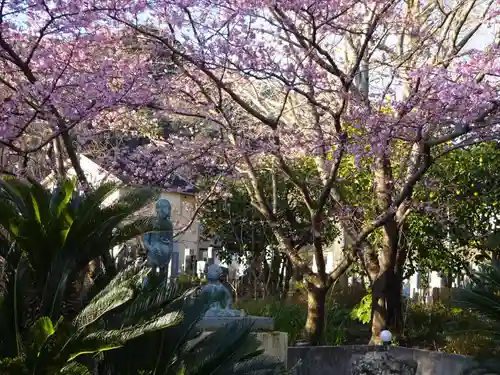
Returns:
<point x="243" y="232"/>
<point x="387" y="84"/>
<point x="456" y="220"/>
<point x="240" y="232"/>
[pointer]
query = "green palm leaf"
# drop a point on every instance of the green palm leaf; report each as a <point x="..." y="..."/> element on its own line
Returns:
<point x="59" y="233"/>
<point x="13" y="305"/>
<point x="41" y="331"/>
<point x="150" y="302"/>
<point x="482" y="296"/>
<point x="62" y="196"/>
<point x="219" y="352"/>
<point x="75" y="368"/>
<point x="100" y="306"/>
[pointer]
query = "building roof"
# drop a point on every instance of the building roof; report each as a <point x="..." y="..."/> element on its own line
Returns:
<point x="128" y="146"/>
<point x="97" y="173"/>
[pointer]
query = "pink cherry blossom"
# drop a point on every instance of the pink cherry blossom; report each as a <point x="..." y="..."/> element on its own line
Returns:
<point x="268" y="77"/>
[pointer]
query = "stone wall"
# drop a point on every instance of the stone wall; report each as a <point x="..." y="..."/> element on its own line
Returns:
<point x="336" y="360"/>
<point x="274" y="343"/>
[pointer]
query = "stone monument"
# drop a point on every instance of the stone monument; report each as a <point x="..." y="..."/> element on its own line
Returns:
<point x="159" y="244"/>
<point x="383" y="363"/>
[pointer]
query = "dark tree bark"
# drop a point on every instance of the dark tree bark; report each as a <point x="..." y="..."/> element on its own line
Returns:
<point x="386" y="304"/>
<point x="288" y="278"/>
<point x="316" y="314"/>
<point x="272" y="279"/>
<point x="58" y="158"/>
<point x="385" y="267"/>
<point x="386" y="273"/>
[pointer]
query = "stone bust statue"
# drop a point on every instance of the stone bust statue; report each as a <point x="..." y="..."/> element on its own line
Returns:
<point x="159" y="244"/>
<point x="217" y="292"/>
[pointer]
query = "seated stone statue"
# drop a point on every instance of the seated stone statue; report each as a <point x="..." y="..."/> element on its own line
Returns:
<point x="218" y="293"/>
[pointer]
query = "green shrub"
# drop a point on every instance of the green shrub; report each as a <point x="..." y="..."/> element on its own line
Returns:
<point x="445" y="328"/>
<point x="426" y="326"/>
<point x="290" y="316"/>
<point x="363" y="310"/>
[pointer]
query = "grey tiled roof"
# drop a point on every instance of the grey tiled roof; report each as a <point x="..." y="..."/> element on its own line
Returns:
<point x="170" y="182"/>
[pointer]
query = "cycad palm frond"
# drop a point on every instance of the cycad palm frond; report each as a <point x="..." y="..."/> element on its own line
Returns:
<point x="131" y="229"/>
<point x="155" y="337"/>
<point x="483" y="296"/>
<point x="230" y="349"/>
<point x="15" y="191"/>
<point x="75" y="368"/>
<point x="88" y="335"/>
<point x="14" y="308"/>
<point x="100" y="306"/>
<point x="128" y="333"/>
<point x="156" y="351"/>
<point x="56" y="284"/>
<point x="150" y="302"/>
<point x="105" y="296"/>
<point x="59" y="233"/>
<point x="5" y="245"/>
<point x="85" y="206"/>
<point x="226" y="337"/>
<point x="98" y="224"/>
<point x="175" y="349"/>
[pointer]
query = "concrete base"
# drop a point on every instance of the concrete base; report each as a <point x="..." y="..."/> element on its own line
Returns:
<point x="327" y="360"/>
<point x="275" y="343"/>
<point x="260" y="323"/>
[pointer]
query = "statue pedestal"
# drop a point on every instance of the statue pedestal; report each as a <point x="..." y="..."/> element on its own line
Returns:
<point x="260" y="323"/>
<point x="273" y="343"/>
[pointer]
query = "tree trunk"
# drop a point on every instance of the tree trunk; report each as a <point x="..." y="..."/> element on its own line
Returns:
<point x="316" y="314"/>
<point x="386" y="304"/>
<point x="73" y="157"/>
<point x="59" y="158"/>
<point x="387" y="285"/>
<point x="273" y="277"/>
<point x="288" y="278"/>
<point x="266" y="274"/>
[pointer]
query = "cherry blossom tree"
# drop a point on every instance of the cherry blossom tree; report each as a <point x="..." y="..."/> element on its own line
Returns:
<point x="388" y="86"/>
<point x="394" y="84"/>
<point x="65" y="76"/>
